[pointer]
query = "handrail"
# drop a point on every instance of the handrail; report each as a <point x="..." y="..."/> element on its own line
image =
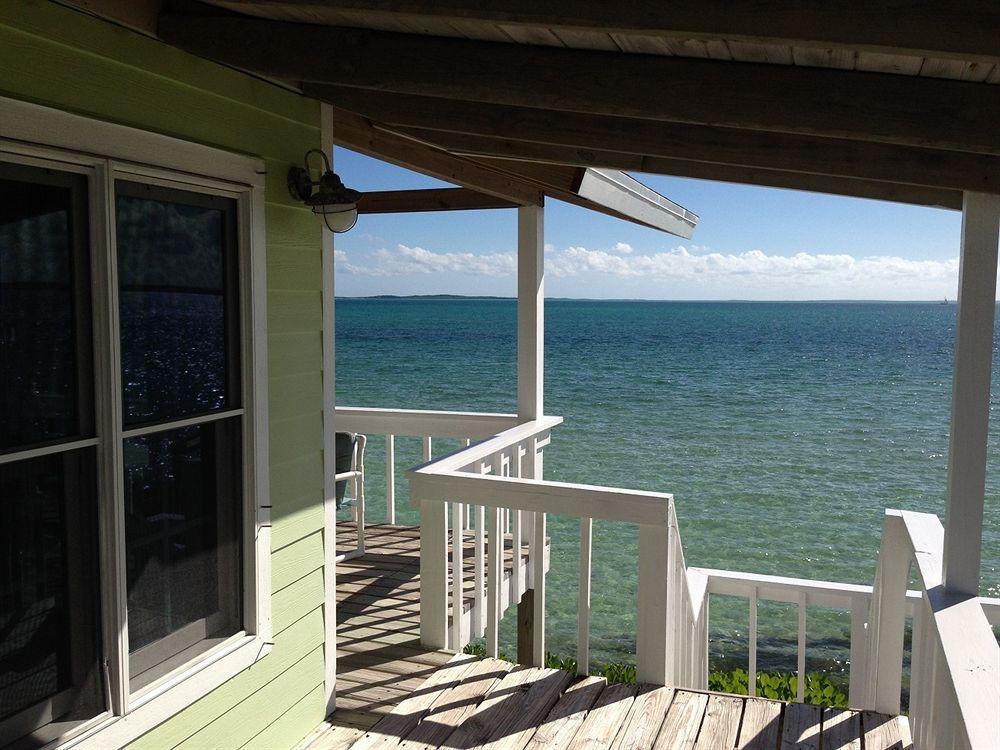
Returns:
<point x="424" y="424"/>
<point x="672" y="622"/>
<point x="419" y="423"/>
<point x="955" y="659"/>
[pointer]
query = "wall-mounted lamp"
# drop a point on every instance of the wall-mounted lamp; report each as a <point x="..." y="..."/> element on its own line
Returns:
<point x="334" y="203"/>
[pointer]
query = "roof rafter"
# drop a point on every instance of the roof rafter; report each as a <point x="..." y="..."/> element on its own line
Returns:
<point x="816" y="101"/>
<point x="961" y="29"/>
<point x="518" y="132"/>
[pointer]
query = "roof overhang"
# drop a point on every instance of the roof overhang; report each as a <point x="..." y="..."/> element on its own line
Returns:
<point x="788" y="95"/>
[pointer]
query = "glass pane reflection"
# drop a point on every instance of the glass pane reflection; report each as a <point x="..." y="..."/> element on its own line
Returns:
<point x="182" y="535"/>
<point x="43" y="290"/>
<point x="176" y="272"/>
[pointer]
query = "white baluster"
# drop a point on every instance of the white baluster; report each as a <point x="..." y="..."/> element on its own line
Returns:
<point x="802" y="648"/>
<point x="752" y="666"/>
<point x="493" y="574"/>
<point x="390" y="479"/>
<point x="583" y="607"/>
<point x="479" y="598"/>
<point x="457" y="576"/>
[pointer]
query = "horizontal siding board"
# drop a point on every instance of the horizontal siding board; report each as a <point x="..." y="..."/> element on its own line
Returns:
<point x="296" y="601"/>
<point x="296" y="478"/>
<point x="295" y="395"/>
<point x="292" y="353"/>
<point x="286" y="730"/>
<point x="48" y="73"/>
<point x="296" y="561"/>
<point x="292" y="311"/>
<point x="298" y="524"/>
<point x="241" y="723"/>
<point x="295" y="436"/>
<point x="294" y="643"/>
<point x="88" y="34"/>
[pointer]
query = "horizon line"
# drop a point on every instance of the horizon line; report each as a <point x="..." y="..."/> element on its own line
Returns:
<point x="470" y="297"/>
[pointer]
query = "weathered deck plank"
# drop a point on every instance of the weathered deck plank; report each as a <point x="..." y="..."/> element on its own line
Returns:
<point x="559" y="728"/>
<point x="680" y="728"/>
<point x="721" y="723"/>
<point x="393" y="693"/>
<point x="644" y="718"/>
<point x="802" y="727"/>
<point x="761" y="724"/>
<point x="841" y="729"/>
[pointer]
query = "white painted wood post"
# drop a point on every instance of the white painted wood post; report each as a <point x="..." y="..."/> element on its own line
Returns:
<point x="971" y="392"/>
<point x="887" y="618"/>
<point x="457" y="576"/>
<point x="433" y="574"/>
<point x="329" y="443"/>
<point x="530" y="312"/>
<point x="390" y="479"/>
<point x="651" y="624"/>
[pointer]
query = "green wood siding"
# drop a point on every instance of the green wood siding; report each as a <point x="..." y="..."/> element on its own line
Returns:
<point x="61" y="58"/>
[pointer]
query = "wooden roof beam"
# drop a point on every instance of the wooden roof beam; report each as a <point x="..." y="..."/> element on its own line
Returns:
<point x="908" y="110"/>
<point x="514" y="156"/>
<point x="510" y="128"/>
<point x="960" y="30"/>
<point x="430" y="199"/>
<point x="356" y="133"/>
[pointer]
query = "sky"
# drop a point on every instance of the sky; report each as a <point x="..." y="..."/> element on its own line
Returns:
<point x="751" y="243"/>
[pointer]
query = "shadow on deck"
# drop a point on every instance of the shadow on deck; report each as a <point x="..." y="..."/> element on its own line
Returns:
<point x="393" y="692"/>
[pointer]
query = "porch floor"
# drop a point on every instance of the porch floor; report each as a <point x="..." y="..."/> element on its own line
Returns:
<point x="391" y="691"/>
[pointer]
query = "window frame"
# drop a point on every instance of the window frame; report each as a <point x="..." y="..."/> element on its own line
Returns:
<point x="42" y="136"/>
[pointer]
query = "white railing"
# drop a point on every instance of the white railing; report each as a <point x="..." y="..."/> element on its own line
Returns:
<point x="392" y="423"/>
<point x="671" y="626"/>
<point x="497" y="497"/>
<point x="955" y="659"/>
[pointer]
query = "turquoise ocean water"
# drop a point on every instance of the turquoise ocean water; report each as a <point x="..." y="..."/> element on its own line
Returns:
<point x="782" y="429"/>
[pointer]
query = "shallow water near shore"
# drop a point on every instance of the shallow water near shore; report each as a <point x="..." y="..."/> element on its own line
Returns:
<point x="783" y="430"/>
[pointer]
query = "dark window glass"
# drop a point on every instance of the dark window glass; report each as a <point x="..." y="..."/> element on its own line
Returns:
<point x="178" y="305"/>
<point x="182" y="529"/>
<point x="49" y="604"/>
<point x="44" y="316"/>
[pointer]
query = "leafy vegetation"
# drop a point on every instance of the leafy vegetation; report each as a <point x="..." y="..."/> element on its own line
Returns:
<point x="819" y="689"/>
<point x="783" y="686"/>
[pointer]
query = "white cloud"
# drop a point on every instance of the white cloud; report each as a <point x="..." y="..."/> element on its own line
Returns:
<point x="679" y="263"/>
<point x="406" y="261"/>
<point x="839" y="274"/>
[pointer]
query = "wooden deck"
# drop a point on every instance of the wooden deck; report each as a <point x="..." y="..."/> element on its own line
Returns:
<point x="391" y="692"/>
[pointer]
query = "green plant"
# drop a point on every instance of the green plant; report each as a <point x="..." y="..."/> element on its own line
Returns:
<point x="617" y="672"/>
<point x="783" y="686"/>
<point x="566" y="663"/>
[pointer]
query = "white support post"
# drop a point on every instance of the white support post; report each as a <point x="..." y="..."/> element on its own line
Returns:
<point x="329" y="445"/>
<point x="970" y="403"/>
<point x="651" y="625"/>
<point x="433" y="574"/>
<point x="530" y="312"/>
